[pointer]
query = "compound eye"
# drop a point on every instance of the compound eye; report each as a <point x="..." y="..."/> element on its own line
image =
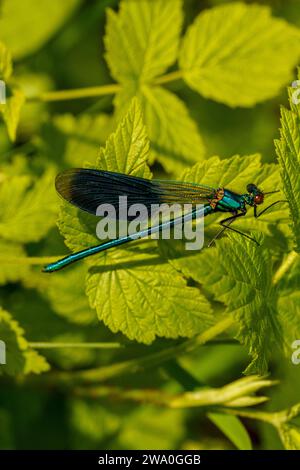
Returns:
<point x="251" y="188"/>
<point x="258" y="199"/>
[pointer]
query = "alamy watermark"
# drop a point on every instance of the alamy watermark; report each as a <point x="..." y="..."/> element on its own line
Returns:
<point x="2" y="353"/>
<point x="2" y="92"/>
<point x="296" y="354"/>
<point x="155" y="221"/>
<point x="296" y="93"/>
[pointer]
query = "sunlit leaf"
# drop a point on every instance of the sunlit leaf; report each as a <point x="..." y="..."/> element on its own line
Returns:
<point x="238" y="273"/>
<point x="175" y="140"/>
<point x="141" y="42"/>
<point x="11" y="110"/>
<point x="288" y="151"/>
<point x="142" y="39"/>
<point x="239" y="54"/>
<point x="5" y="62"/>
<point x="232" y="427"/>
<point x="27" y="211"/>
<point x="66" y="293"/>
<point x="12" y="271"/>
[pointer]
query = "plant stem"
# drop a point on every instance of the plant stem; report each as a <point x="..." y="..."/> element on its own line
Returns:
<point x="251" y="414"/>
<point x="45" y="345"/>
<point x="241" y="389"/>
<point x="90" y="92"/>
<point x="137" y="364"/>
<point x="169" y="77"/>
<point x="153" y="397"/>
<point x="77" y="93"/>
<point x="285" y="266"/>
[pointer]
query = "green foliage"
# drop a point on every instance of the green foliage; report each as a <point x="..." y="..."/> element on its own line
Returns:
<point x="20" y="358"/>
<point x="238" y="54"/>
<point x="236" y="394"/>
<point x="289" y="303"/>
<point x="59" y="290"/>
<point x="27" y="209"/>
<point x="174" y="146"/>
<point x="233" y="429"/>
<point x="285" y="422"/>
<point x="288" y="151"/>
<point x="68" y="139"/>
<point x="239" y="274"/>
<point x="9" y="271"/>
<point x="137" y="53"/>
<point x="290" y="436"/>
<point x="142" y="39"/>
<point x="142" y="346"/>
<point x="5" y="63"/>
<point x="10" y="110"/>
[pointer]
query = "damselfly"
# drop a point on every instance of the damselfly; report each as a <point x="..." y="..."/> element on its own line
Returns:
<point x="87" y="189"/>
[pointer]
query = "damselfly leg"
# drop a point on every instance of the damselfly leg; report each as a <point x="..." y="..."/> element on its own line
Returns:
<point x="256" y="215"/>
<point x="226" y="226"/>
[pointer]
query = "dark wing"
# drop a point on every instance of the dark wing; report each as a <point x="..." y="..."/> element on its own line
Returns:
<point x="87" y="189"/>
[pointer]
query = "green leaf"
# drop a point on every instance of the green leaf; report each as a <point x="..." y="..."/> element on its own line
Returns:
<point x="133" y="293"/>
<point x="232" y="427"/>
<point x="175" y="140"/>
<point x="11" y="110"/>
<point x="288" y="152"/>
<point x="142" y="39"/>
<point x="35" y="20"/>
<point x="27" y="212"/>
<point x="133" y="298"/>
<point x="54" y="328"/>
<point x="289" y="305"/>
<point x="238" y="273"/>
<point x="249" y="292"/>
<point x="20" y="358"/>
<point x="5" y="63"/>
<point x="127" y="150"/>
<point x="68" y="302"/>
<point x="74" y="140"/>
<point x="239" y="393"/>
<point x="142" y="42"/>
<point x="290" y="436"/>
<point x="34" y="362"/>
<point x="239" y="54"/>
<point x="12" y="272"/>
<point x="287" y="427"/>
<point x="289" y="308"/>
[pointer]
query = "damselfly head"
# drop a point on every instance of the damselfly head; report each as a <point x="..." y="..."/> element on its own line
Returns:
<point x="256" y="195"/>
